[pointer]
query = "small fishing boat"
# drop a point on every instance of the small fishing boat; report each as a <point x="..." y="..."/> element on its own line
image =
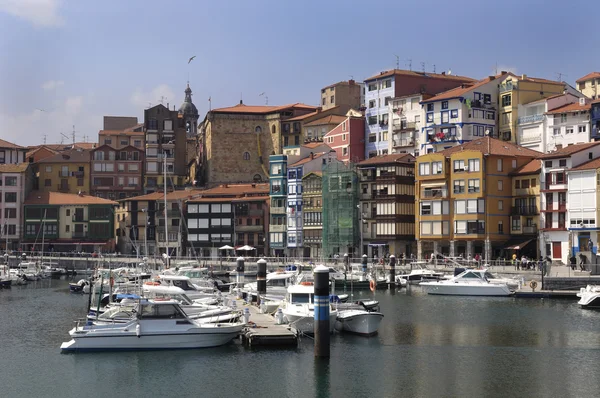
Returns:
<point x="298" y="308"/>
<point x="467" y="283"/>
<point x="361" y="322"/>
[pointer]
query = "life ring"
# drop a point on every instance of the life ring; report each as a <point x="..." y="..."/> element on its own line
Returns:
<point x="306" y="283"/>
<point x="372" y="285"/>
<point x="152" y="283"/>
<point x="533" y="285"/>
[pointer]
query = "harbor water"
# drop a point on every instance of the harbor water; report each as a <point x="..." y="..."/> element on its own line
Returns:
<point x="427" y="346"/>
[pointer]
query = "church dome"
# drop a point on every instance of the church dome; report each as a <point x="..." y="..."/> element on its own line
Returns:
<point x="188" y="108"/>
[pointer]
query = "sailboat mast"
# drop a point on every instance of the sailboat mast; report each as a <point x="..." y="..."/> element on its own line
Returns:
<point x="166" y="218"/>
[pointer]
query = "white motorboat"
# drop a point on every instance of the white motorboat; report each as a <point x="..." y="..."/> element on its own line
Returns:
<point x="30" y="270"/>
<point x="589" y="297"/>
<point x="5" y="277"/>
<point x="468" y="283"/>
<point x="358" y="321"/>
<point x="277" y="284"/>
<point x="298" y="308"/>
<point x="157" y="325"/>
<point x="183" y="282"/>
<point x="512" y="284"/>
<point x="418" y="275"/>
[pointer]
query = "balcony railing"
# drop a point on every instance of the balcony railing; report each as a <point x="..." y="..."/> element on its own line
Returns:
<point x="277" y="210"/>
<point x="530" y="229"/>
<point x="276" y="228"/>
<point x="530" y="119"/>
<point x="403" y="142"/>
<point x="508" y="86"/>
<point x="525" y="210"/>
<point x="249" y="228"/>
<point x="435" y="193"/>
<point x="399" y="126"/>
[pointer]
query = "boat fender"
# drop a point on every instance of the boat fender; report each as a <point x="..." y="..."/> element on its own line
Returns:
<point x="372" y="285"/>
<point x="138" y="330"/>
<point x="533" y="285"/>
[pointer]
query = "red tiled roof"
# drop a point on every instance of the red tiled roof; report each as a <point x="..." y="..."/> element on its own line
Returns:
<point x="70" y="156"/>
<point x="235" y="190"/>
<point x="569" y="150"/>
<point x="307" y="159"/>
<point x="36" y="149"/>
<point x="415" y="73"/>
<point x="386" y="159"/>
<point x="261" y="109"/>
<point x="589" y="76"/>
<point x="173" y="195"/>
<point x="539" y="80"/>
<point x="251" y="198"/>
<point x="302" y="117"/>
<point x="331" y="119"/>
<point x="574" y="107"/>
<point x="13" y="168"/>
<point x="533" y="167"/>
<point x="463" y="89"/>
<point x="6" y="144"/>
<point x="66" y="147"/>
<point x="492" y="146"/>
<point x="591" y="165"/>
<point x="59" y="198"/>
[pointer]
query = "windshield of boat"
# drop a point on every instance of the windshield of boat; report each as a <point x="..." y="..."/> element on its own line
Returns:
<point x="489" y="275"/>
<point x="183" y="284"/>
<point x="195" y="274"/>
<point x="281" y="282"/>
<point x="470" y="275"/>
<point x="162" y="311"/>
<point x="300" y="298"/>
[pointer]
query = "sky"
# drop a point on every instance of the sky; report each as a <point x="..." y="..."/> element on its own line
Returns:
<point x="66" y="63"/>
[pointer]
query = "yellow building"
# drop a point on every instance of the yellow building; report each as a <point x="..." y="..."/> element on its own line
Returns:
<point x="589" y="85"/>
<point x="525" y="212"/>
<point x="520" y="90"/>
<point x="463" y="197"/>
<point x="67" y="172"/>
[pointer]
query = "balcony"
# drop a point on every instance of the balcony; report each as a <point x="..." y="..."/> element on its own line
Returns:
<point x="403" y="142"/>
<point x="524" y="210"/>
<point x="530" y="119"/>
<point x="275" y="228"/>
<point x="561" y="207"/>
<point x="530" y="229"/>
<point x="256" y="212"/>
<point x="79" y="219"/>
<point x="507" y="86"/>
<point x="530" y="138"/>
<point x="404" y="126"/>
<point x="277" y="210"/>
<point x="434" y="193"/>
<point x="249" y="228"/>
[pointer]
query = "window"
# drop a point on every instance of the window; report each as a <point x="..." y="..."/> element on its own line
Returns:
<point x="372" y="120"/>
<point x="562" y="163"/>
<point x="425" y="208"/>
<point x="474" y="186"/>
<point x="500" y="228"/>
<point x="445" y="117"/>
<point x="387" y="83"/>
<point x="500" y="185"/>
<point x="430" y="107"/>
<point x="517" y="184"/>
<point x="500" y="205"/>
<point x="436" y="167"/>
<point x="487" y="99"/>
<point x="345" y="151"/>
<point x="430" y="117"/>
<point x="563" y="118"/>
<point x="121" y="167"/>
<point x="133" y="167"/>
<point x="331" y="99"/>
<point x="48" y="169"/>
<point x="548" y="163"/>
<point x="569" y="130"/>
<point x="387" y="100"/>
<point x="246" y="155"/>
<point x="424" y="169"/>
<point x="506" y="100"/>
<point x="454" y="114"/>
<point x="10" y="181"/>
<point x="499" y="164"/>
<point x="47" y="182"/>
<point x="10" y="197"/>
<point x="459" y="165"/>
<point x="474" y="165"/>
<point x="444" y="104"/>
<point x="582" y="128"/>
<point x="534" y="182"/>
<point x="459" y="186"/>
<point x="10" y="213"/>
<point x="516" y="223"/>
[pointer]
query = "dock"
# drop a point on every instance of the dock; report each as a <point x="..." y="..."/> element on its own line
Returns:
<point x="555" y="294"/>
<point x="264" y="331"/>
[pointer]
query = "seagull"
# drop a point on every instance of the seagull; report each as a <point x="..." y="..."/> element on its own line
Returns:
<point x="261" y="94"/>
<point x="191" y="59"/>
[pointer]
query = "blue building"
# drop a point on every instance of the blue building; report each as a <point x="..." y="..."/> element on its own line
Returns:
<point x="278" y="196"/>
<point x="595" y="119"/>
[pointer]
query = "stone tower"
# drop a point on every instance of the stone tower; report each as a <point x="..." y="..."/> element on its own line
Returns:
<point x="189" y="113"/>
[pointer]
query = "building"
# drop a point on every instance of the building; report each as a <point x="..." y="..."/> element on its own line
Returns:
<point x="406" y="118"/>
<point x="166" y="145"/>
<point x="519" y="90"/>
<point x="68" y="222"/>
<point x="387" y="205"/>
<point x="312" y="208"/>
<point x="568" y="124"/>
<point x="278" y="203"/>
<point x="380" y="90"/>
<point x="533" y="131"/>
<point x="584" y="210"/>
<point x="16" y="181"/>
<point x="119" y="123"/>
<point x="463" y="197"/>
<point x="525" y="211"/>
<point x="317" y="129"/>
<point x="460" y="115"/>
<point x="235" y="142"/>
<point x="595" y="120"/>
<point x="189" y="114"/>
<point x="348" y="138"/>
<point x="555" y="239"/>
<point x="228" y="215"/>
<point x="118" y="139"/>
<point x="12" y="153"/>
<point x="116" y="173"/>
<point x="67" y="172"/>
<point x="345" y="93"/>
<point x="588" y="85"/>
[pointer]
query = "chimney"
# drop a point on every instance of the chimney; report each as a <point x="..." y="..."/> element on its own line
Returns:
<point x="351" y="82"/>
<point x="444" y="73"/>
<point x="503" y="72"/>
<point x="523" y="76"/>
<point x="312" y="155"/>
<point x="492" y="77"/>
<point x="168" y="106"/>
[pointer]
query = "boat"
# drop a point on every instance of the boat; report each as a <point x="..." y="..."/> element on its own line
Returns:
<point x="513" y="284"/>
<point x="30" y="270"/>
<point x="183" y="282"/>
<point x="298" y="308"/>
<point x="81" y="286"/>
<point x="467" y="283"/>
<point x="358" y="321"/>
<point x="5" y="277"/>
<point x="157" y="325"/>
<point x="277" y="284"/>
<point x="418" y="275"/>
<point x="589" y="297"/>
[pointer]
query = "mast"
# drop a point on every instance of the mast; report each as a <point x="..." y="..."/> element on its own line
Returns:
<point x="166" y="218"/>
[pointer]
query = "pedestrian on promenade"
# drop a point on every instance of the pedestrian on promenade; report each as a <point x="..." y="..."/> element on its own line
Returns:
<point x="514" y="261"/>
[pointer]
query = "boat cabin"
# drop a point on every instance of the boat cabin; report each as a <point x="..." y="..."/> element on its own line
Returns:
<point x="182" y="282"/>
<point x="160" y="310"/>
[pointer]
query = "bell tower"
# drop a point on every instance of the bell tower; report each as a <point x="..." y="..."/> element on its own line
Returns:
<point x="189" y="113"/>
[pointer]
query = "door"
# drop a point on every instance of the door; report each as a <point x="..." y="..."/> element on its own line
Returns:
<point x="556" y="250"/>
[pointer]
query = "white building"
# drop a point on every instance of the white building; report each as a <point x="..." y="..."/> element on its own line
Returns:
<point x="406" y="116"/>
<point x="460" y="115"/>
<point x="379" y="93"/>
<point x="555" y="220"/>
<point x="15" y="184"/>
<point x="539" y="128"/>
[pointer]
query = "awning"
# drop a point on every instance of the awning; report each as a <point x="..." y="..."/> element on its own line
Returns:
<point x="378" y="244"/>
<point x="517" y="245"/>
<point x="433" y="184"/>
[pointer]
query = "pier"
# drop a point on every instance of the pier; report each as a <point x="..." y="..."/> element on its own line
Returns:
<point x="264" y="331"/>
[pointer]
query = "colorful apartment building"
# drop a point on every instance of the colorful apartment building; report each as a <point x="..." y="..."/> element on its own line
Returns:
<point x="387" y="205"/>
<point x="312" y="207"/>
<point x="117" y="173"/>
<point x="278" y="198"/>
<point x="347" y="139"/>
<point x="16" y="181"/>
<point x="66" y="222"/>
<point x="67" y="172"/>
<point x="12" y="153"/>
<point x="407" y="117"/>
<point x="346" y="94"/>
<point x="589" y="84"/>
<point x="464" y="197"/>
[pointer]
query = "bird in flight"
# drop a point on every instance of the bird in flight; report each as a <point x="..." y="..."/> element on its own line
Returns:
<point x="191" y="59"/>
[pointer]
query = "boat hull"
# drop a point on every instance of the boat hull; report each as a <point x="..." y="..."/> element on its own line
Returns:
<point x="589" y="300"/>
<point x="305" y="324"/>
<point x="358" y="322"/>
<point x="463" y="289"/>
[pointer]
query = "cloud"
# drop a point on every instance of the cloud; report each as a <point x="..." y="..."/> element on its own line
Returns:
<point x="507" y="68"/>
<point x="141" y="99"/>
<point x="42" y="13"/>
<point x="29" y="128"/>
<point x="52" y="84"/>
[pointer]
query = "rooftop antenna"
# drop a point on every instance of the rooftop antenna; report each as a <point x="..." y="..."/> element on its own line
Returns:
<point x="73" y="133"/>
<point x="409" y="64"/>
<point x="351" y="77"/>
<point x="423" y="67"/>
<point x="63" y="138"/>
<point x="560" y="76"/>
<point x="433" y="68"/>
<point x="263" y="94"/>
<point x="397" y="62"/>
<point x="45" y="136"/>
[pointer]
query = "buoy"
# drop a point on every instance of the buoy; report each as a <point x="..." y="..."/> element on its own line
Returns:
<point x="138" y="330"/>
<point x="372" y="285"/>
<point x="533" y="285"/>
